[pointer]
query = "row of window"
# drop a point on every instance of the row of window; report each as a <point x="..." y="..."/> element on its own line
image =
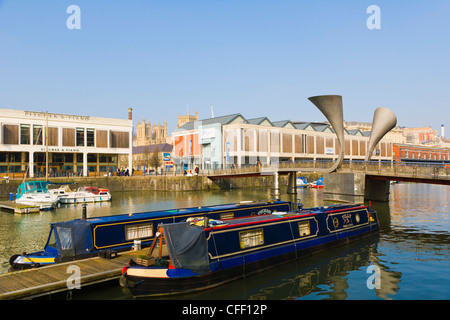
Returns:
<point x="424" y="155"/>
<point x="26" y="134"/>
<point x="6" y="157"/>
<point x="254" y="238"/>
<point x="247" y="239"/>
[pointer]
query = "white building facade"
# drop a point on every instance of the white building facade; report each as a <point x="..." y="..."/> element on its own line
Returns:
<point x="31" y="142"/>
<point x="232" y="140"/>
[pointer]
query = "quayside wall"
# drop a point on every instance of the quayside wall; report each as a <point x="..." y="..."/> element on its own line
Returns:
<point x="159" y="183"/>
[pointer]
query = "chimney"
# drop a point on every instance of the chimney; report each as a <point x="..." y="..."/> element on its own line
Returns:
<point x="130" y="114"/>
<point x="442" y="132"/>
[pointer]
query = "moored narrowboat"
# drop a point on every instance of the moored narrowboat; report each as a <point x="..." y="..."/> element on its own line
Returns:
<point x="84" y="238"/>
<point x="194" y="258"/>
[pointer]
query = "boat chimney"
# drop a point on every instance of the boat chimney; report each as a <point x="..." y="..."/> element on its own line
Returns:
<point x="130" y="114"/>
<point x="84" y="215"/>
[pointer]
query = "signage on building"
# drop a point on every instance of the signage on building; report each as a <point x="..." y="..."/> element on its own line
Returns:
<point x="56" y="116"/>
<point x="61" y="149"/>
<point x="169" y="165"/>
<point x="166" y="156"/>
<point x="208" y="133"/>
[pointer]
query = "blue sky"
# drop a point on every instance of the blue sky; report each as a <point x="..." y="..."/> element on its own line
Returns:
<point x="258" y="58"/>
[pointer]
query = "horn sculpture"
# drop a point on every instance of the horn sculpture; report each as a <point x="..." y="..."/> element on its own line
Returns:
<point x="384" y="120"/>
<point x="331" y="107"/>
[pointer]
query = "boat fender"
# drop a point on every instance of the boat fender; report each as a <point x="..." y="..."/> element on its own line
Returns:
<point x="110" y="254"/>
<point x="125" y="283"/>
<point x="124" y="270"/>
<point x="13" y="259"/>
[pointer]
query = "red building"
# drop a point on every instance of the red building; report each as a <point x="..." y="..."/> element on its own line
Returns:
<point x="419" y="153"/>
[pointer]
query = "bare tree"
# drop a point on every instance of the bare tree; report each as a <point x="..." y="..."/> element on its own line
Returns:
<point x="155" y="160"/>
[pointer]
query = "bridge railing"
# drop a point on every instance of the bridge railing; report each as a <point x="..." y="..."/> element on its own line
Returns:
<point x="414" y="170"/>
<point x="409" y="169"/>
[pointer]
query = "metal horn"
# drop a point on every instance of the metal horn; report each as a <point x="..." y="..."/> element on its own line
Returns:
<point x="331" y="107"/>
<point x="384" y="120"/>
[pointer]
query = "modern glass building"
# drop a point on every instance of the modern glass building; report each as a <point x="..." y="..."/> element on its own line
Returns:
<point x="31" y="142"/>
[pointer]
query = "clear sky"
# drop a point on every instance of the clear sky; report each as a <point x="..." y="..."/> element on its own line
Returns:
<point x="254" y="57"/>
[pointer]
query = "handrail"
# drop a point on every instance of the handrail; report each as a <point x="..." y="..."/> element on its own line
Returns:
<point x="413" y="169"/>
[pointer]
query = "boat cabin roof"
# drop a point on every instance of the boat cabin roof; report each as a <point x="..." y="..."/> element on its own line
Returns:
<point x="233" y="222"/>
<point x="168" y="213"/>
<point x="261" y="218"/>
<point x="34" y="185"/>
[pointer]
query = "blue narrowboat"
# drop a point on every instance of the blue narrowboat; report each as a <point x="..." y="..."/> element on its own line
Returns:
<point x="194" y="258"/>
<point x="88" y="237"/>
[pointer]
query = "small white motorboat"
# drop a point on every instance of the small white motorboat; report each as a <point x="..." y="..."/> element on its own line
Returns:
<point x="85" y="194"/>
<point x="35" y="193"/>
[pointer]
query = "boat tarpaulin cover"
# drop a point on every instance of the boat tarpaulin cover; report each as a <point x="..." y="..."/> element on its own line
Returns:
<point x="187" y="246"/>
<point x="74" y="237"/>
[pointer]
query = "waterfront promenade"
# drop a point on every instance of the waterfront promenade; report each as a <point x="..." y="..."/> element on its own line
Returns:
<point x="249" y="176"/>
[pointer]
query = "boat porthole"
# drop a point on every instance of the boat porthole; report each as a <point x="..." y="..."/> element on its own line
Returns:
<point x="357" y="218"/>
<point x="336" y="222"/>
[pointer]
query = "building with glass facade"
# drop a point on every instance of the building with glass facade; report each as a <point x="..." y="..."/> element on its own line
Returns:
<point x="31" y="142"/>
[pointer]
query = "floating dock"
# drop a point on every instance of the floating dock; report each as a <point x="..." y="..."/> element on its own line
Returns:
<point x="17" y="207"/>
<point x="47" y="280"/>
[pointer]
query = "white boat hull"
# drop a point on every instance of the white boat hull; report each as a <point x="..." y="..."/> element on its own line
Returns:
<point x="37" y="202"/>
<point x="84" y="198"/>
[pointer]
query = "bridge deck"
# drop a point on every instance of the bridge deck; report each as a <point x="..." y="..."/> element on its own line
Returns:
<point x="429" y="173"/>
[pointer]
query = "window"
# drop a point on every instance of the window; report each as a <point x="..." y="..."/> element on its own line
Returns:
<point x="119" y="139"/>
<point x="227" y="215"/>
<point x="92" y="157"/>
<point x="90" y="137"/>
<point x="57" y="157"/>
<point x="304" y="229"/>
<point x="252" y="238"/>
<point x="52" y="136"/>
<point x="80" y="137"/>
<point x="335" y="223"/>
<point x="138" y="231"/>
<point x="68" y="157"/>
<point x="15" y="157"/>
<point x="102" y="139"/>
<point x="37" y="135"/>
<point x="24" y="134"/>
<point x="10" y="134"/>
<point x="68" y="137"/>
<point x="65" y="237"/>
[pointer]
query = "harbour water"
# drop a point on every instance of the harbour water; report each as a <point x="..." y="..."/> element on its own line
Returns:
<point x="411" y="252"/>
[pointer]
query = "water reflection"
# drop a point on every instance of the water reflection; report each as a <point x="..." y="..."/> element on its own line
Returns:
<point x="411" y="250"/>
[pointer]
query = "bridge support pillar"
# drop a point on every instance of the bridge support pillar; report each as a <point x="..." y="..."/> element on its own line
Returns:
<point x="377" y="190"/>
<point x="355" y="187"/>
<point x="275" y="191"/>
<point x="292" y="183"/>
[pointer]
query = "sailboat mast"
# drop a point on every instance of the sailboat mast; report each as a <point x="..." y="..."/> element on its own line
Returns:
<point x="46" y="146"/>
